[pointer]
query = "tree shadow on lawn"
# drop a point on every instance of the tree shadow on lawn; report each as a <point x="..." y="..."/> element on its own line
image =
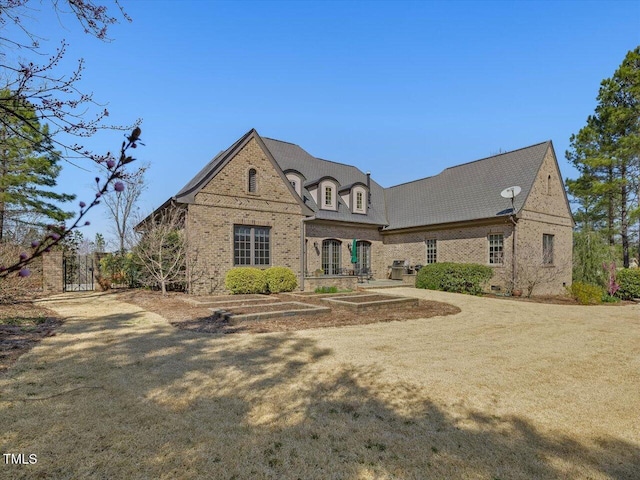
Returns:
<point x="173" y="404"/>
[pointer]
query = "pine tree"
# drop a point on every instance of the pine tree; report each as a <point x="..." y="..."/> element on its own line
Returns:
<point x="28" y="168"/>
<point x="606" y="152"/>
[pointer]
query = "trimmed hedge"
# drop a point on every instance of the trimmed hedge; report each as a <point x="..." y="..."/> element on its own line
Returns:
<point x="629" y="281"/>
<point x="454" y="277"/>
<point x="586" y="293"/>
<point x="246" y="280"/>
<point x="280" y="279"/>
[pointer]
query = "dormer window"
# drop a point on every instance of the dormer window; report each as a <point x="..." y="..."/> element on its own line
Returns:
<point x="328" y="195"/>
<point x="359" y="199"/>
<point x="296" y="182"/>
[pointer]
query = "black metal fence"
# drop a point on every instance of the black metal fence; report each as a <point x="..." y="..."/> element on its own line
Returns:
<point x="78" y="273"/>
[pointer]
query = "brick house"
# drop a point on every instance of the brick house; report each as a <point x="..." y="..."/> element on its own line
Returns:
<point x="265" y="202"/>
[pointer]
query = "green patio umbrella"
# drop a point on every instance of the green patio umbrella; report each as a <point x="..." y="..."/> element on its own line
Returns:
<point x="354" y="251"/>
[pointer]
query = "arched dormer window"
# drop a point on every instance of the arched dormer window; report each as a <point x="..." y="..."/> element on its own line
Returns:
<point x="328" y="195"/>
<point x="252" y="184"/>
<point x="296" y="182"/>
<point x="359" y="201"/>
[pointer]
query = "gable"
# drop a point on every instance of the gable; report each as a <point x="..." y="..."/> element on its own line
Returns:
<point x="229" y="186"/>
<point x="547" y="195"/>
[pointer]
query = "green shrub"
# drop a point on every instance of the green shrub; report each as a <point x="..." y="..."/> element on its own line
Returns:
<point x="454" y="277"/>
<point x="629" y="281"/>
<point x="119" y="269"/>
<point x="587" y="294"/>
<point x="246" y="280"/>
<point x="280" y="279"/>
<point x="332" y="289"/>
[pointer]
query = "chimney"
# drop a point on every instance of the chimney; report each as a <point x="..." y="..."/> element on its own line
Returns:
<point x="369" y="188"/>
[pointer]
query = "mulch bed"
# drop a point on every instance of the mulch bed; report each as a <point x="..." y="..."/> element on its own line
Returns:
<point x="186" y="316"/>
<point x="23" y="325"/>
<point x="366" y="298"/>
<point x="552" y="300"/>
<point x="271" y="307"/>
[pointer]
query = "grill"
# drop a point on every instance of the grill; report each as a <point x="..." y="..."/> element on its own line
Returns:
<point x="397" y="269"/>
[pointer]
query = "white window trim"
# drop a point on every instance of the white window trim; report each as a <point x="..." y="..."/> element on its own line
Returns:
<point x="292" y="177"/>
<point x="428" y="251"/>
<point x="362" y="191"/>
<point x="502" y="259"/>
<point x="334" y="193"/>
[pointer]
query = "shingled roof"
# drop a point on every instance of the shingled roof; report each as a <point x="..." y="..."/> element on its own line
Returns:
<point x="291" y="157"/>
<point x="470" y="191"/>
<point x="462" y="193"/>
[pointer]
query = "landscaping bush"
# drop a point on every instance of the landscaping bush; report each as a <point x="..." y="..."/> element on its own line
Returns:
<point x="629" y="281"/>
<point x="587" y="294"/>
<point x="454" y="277"/>
<point x="325" y="289"/>
<point x="280" y="279"/>
<point x="120" y="269"/>
<point x="246" y="280"/>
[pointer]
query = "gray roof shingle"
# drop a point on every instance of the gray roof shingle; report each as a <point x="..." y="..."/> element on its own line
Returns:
<point x="470" y="191"/>
<point x="466" y="192"/>
<point x="291" y="157"/>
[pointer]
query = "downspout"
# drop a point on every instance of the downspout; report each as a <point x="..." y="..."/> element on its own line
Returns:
<point x="514" y="276"/>
<point x="303" y="249"/>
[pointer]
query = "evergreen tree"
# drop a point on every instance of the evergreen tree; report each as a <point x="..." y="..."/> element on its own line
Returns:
<point x="606" y="152"/>
<point x="28" y="167"/>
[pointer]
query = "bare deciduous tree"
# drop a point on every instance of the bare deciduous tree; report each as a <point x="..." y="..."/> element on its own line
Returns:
<point x="121" y="206"/>
<point x="162" y="248"/>
<point x="535" y="272"/>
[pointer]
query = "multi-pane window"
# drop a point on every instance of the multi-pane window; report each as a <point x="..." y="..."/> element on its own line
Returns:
<point x="496" y="249"/>
<point x="328" y="196"/>
<point x="364" y="256"/>
<point x="251" y="245"/>
<point x="252" y="186"/>
<point x="547" y="249"/>
<point x="359" y="201"/>
<point x="331" y="257"/>
<point x="432" y="251"/>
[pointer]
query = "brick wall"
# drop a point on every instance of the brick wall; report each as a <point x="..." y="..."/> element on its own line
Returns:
<point x="545" y="212"/>
<point x="225" y="202"/>
<point x="316" y="232"/>
<point x="52" y="272"/>
<point x="460" y="245"/>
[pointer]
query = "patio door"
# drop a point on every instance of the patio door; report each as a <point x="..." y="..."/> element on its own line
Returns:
<point x="364" y="256"/>
<point x="331" y="257"/>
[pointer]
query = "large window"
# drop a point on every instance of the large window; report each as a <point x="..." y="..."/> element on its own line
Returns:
<point x="547" y="249"/>
<point x="432" y="252"/>
<point x="251" y="245"/>
<point x="331" y="257"/>
<point x="496" y="249"/>
<point x="364" y="256"/>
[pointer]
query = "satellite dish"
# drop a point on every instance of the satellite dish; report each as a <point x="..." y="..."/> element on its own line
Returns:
<point x="511" y="192"/>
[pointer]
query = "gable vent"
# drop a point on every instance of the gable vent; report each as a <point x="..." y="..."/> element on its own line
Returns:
<point x="252" y="180"/>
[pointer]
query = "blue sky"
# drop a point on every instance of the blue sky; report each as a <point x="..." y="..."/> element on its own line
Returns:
<point x="401" y="89"/>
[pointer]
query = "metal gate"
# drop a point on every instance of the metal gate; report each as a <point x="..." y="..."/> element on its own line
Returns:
<point x="78" y="273"/>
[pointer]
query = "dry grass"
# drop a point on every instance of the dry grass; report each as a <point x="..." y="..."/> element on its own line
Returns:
<point x="502" y="390"/>
<point x="23" y="325"/>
